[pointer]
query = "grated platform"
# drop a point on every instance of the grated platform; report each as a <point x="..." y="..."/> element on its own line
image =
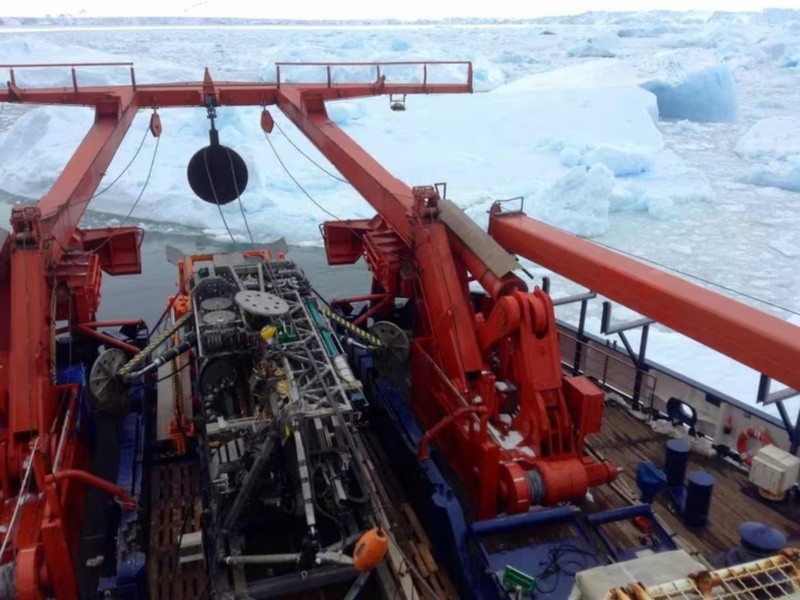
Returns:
<point x="176" y="509"/>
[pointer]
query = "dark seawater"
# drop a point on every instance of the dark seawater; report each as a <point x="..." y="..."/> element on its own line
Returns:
<point x="145" y="295"/>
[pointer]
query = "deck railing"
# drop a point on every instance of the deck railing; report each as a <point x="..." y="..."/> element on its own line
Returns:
<point x="388" y="77"/>
<point x="13" y="68"/>
<point x="719" y="417"/>
<point x="376" y="70"/>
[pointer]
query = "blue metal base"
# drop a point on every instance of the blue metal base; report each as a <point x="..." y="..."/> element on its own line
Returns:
<point x="129" y="581"/>
<point x="475" y="553"/>
<point x="431" y="495"/>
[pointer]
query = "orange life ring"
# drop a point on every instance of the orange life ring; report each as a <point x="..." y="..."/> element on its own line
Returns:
<point x="751" y="434"/>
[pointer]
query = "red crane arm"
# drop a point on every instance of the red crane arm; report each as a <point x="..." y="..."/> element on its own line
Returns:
<point x="554" y="414"/>
<point x="754" y="338"/>
<point x="395" y="202"/>
<point x="63" y="206"/>
<point x="116" y="106"/>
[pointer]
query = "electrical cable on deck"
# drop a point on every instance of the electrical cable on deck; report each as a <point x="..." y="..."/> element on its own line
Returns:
<point x="557" y="562"/>
<point x="175" y="372"/>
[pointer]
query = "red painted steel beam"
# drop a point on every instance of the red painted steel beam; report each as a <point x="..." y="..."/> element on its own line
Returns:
<point x="29" y="389"/>
<point x="63" y="206"/>
<point x="107" y="339"/>
<point x="29" y="386"/>
<point x="752" y="337"/>
<point x="228" y="93"/>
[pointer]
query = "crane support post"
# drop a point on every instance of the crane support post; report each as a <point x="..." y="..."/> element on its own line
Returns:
<point x="54" y="219"/>
<point x="754" y="338"/>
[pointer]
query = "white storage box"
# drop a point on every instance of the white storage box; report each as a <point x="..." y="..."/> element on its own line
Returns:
<point x="774" y="470"/>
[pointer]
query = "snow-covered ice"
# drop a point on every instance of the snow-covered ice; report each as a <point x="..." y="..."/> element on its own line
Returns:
<point x="688" y="83"/>
<point x="681" y="148"/>
<point x="588" y="48"/>
<point x="773" y="145"/>
<point x="547" y="139"/>
<point x="774" y="137"/>
<point x="784" y="173"/>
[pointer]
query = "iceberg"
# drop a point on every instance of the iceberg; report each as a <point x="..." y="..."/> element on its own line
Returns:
<point x="690" y="84"/>
<point x="782" y="173"/>
<point x="687" y="84"/>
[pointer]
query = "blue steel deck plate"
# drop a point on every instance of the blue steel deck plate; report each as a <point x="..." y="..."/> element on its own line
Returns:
<point x="505" y="541"/>
<point x="130" y="579"/>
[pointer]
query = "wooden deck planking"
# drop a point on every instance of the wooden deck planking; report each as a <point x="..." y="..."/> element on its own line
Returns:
<point x="626" y="442"/>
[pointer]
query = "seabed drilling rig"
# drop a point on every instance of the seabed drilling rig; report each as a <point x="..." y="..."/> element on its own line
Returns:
<point x="424" y="440"/>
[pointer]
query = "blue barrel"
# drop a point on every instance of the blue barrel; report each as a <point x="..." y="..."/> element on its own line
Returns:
<point x="676" y="461"/>
<point x="700" y="486"/>
<point x="651" y="480"/>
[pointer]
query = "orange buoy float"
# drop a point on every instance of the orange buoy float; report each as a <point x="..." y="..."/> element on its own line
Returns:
<point x="370" y="549"/>
<point x="748" y="434"/>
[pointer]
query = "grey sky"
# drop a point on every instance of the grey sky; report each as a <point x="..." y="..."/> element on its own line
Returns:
<point x="344" y="9"/>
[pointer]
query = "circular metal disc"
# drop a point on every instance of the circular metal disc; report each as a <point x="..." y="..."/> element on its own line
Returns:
<point x="395" y="343"/>
<point x="109" y="391"/>
<point x="262" y="304"/>
<point x="219" y="317"/>
<point x="212" y="287"/>
<point x="217" y="174"/>
<point x="216" y="303"/>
